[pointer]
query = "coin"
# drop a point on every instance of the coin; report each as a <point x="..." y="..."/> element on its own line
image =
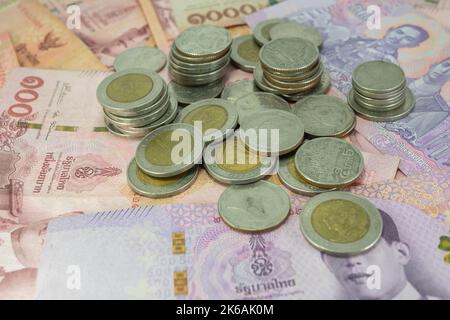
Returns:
<point x="272" y="132"/>
<point x="341" y="223"/>
<point x="143" y="57"/>
<point x="294" y="29"/>
<point x="289" y="55"/>
<point x="329" y="163"/>
<point x="325" y="116"/>
<point x="180" y="59"/>
<point x="117" y="132"/>
<point x="271" y="75"/>
<point x="127" y="92"/>
<point x="379" y="77"/>
<point x="213" y="114"/>
<point x="230" y="162"/>
<point x="245" y="52"/>
<point x="385" y="104"/>
<point x="256" y="102"/>
<point x="321" y="88"/>
<point x="196" y="67"/>
<point x="187" y="95"/>
<point x="290" y="177"/>
<point x="167" y="118"/>
<point x="384" y="116"/>
<point x="198" y="80"/>
<point x="156" y="188"/>
<point x="257" y="207"/>
<point x="262" y="30"/>
<point x="203" y="40"/>
<point x="261" y="82"/>
<point x="238" y="89"/>
<point x="170" y="150"/>
<point x="295" y="87"/>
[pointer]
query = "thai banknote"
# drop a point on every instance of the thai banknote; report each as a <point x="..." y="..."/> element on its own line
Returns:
<point x="41" y="40"/>
<point x="187" y="252"/>
<point x="434" y="4"/>
<point x="8" y="58"/>
<point x="415" y="41"/>
<point x="106" y="27"/>
<point x="167" y="18"/>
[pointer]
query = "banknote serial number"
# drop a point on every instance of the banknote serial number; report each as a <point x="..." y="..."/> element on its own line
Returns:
<point x="227" y="310"/>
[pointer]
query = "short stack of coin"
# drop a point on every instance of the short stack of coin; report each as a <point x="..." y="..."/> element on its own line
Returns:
<point x="380" y="92"/>
<point x="289" y="67"/>
<point x="155" y="173"/>
<point x="136" y="102"/>
<point x="200" y="55"/>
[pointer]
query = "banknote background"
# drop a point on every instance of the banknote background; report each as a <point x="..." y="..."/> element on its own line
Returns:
<point x="57" y="159"/>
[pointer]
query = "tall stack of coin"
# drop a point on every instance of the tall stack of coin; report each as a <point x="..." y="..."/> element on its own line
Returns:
<point x="380" y="92"/>
<point x="289" y="67"/>
<point x="157" y="171"/>
<point x="200" y="55"/>
<point x="136" y="102"/>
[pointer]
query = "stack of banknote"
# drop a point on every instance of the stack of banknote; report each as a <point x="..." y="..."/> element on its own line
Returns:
<point x="69" y="222"/>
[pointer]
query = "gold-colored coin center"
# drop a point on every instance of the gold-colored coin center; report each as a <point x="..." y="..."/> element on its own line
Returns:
<point x="211" y="117"/>
<point x="236" y="158"/>
<point x="129" y="88"/>
<point x="157" y="182"/>
<point x="340" y="221"/>
<point x="249" y="50"/>
<point x="160" y="151"/>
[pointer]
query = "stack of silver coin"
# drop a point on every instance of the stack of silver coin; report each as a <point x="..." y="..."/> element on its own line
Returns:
<point x="290" y="67"/>
<point x="380" y="92"/>
<point x="136" y="102"/>
<point x="200" y="55"/>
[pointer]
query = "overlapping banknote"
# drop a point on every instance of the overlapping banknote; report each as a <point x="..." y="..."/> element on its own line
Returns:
<point x="167" y="18"/>
<point x="41" y="40"/>
<point x="183" y="251"/>
<point x="417" y="42"/>
<point x="106" y="27"/>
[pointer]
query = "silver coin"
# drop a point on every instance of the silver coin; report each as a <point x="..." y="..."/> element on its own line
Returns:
<point x="188" y="94"/>
<point x="203" y="40"/>
<point x="384" y="116"/>
<point x="261" y="82"/>
<point x="290" y="29"/>
<point x="143" y="57"/>
<point x="289" y="55"/>
<point x="321" y="88"/>
<point x="379" y="77"/>
<point x="262" y="30"/>
<point x="198" y="68"/>
<point x="325" y="116"/>
<point x="253" y="103"/>
<point x="198" y="80"/>
<point x="260" y="133"/>
<point x="257" y="207"/>
<point x="118" y="132"/>
<point x="238" y="89"/>
<point x="292" y="180"/>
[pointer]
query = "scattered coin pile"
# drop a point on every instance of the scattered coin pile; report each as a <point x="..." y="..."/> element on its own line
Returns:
<point x="200" y="55"/>
<point x="284" y="57"/>
<point x="380" y="92"/>
<point x="136" y="102"/>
